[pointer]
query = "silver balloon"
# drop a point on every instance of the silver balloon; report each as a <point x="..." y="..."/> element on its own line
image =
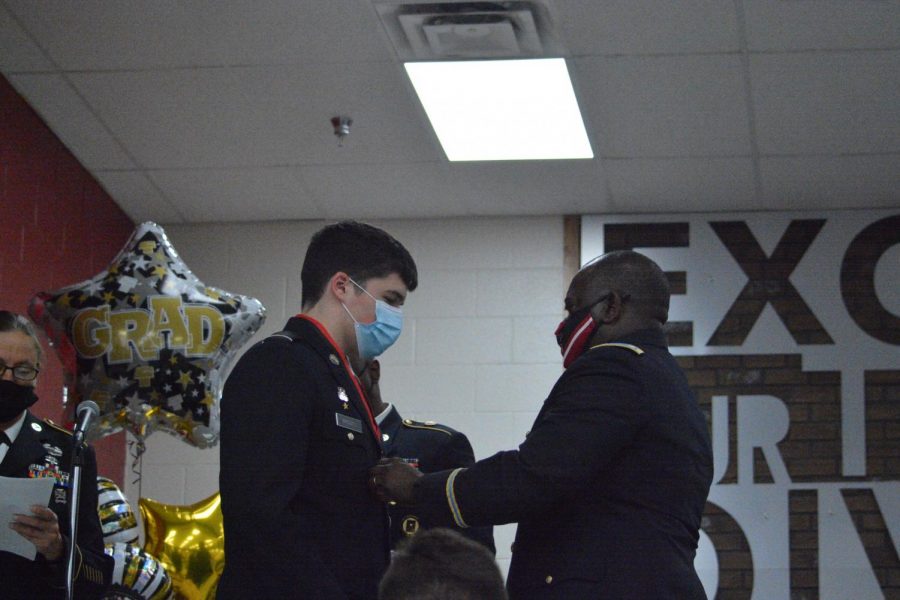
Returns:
<point x="148" y="341"/>
<point x="138" y="572"/>
<point x="116" y="515"/>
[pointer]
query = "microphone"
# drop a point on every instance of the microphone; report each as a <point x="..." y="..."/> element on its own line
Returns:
<point x="86" y="412"/>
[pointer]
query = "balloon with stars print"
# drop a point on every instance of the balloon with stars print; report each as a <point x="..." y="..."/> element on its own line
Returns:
<point x="148" y="341"/>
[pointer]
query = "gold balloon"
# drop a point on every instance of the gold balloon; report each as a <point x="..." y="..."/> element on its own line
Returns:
<point x="189" y="541"/>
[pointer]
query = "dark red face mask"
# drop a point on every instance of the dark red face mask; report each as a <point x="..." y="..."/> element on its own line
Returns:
<point x="573" y="334"/>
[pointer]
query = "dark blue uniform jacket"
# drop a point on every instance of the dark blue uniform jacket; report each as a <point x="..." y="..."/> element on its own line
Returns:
<point x="608" y="487"/>
<point x="297" y="445"/>
<point x="430" y="447"/>
<point x="44" y="450"/>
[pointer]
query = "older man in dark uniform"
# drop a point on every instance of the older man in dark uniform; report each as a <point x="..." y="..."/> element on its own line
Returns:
<point x="609" y="486"/>
<point x="298" y="438"/>
<point x="427" y="446"/>
<point x="30" y="447"/>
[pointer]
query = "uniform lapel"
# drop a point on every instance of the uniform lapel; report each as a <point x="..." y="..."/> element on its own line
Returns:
<point x="26" y="447"/>
<point x="313" y="333"/>
<point x="390" y="425"/>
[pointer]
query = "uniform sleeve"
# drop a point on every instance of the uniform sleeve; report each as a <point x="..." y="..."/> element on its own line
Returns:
<point x="267" y="411"/>
<point x="93" y="568"/>
<point x="592" y="413"/>
<point x="457" y="452"/>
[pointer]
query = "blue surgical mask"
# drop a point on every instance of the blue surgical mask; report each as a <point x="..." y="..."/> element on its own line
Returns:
<point x="374" y="338"/>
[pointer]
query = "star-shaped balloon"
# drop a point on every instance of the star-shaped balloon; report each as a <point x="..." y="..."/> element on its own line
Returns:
<point x="189" y="541"/>
<point x="148" y="341"/>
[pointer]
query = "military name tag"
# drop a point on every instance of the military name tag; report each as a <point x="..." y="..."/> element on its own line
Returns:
<point x="348" y="422"/>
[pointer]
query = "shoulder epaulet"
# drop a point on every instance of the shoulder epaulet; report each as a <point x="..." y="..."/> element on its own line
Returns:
<point x="430" y="425"/>
<point x="631" y="347"/>
<point x="286" y="334"/>
<point x="53" y="425"/>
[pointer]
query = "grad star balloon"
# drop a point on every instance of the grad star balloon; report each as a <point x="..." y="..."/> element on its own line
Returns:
<point x="148" y="341"/>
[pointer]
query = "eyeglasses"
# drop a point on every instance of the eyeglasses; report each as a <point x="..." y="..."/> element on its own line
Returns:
<point x="20" y="372"/>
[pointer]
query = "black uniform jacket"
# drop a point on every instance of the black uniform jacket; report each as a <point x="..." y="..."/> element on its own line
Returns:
<point x="297" y="445"/>
<point x="44" y="450"/>
<point x="429" y="447"/>
<point x="608" y="487"/>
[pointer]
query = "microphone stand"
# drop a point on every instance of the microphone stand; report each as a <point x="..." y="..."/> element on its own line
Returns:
<point x="74" y="497"/>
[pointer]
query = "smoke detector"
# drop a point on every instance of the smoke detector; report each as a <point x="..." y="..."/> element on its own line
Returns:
<point x="469" y="30"/>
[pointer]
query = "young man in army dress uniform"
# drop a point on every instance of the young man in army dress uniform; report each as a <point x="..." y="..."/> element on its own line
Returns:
<point x="609" y="485"/>
<point x="30" y="447"/>
<point x="298" y="438"/>
<point x="426" y="445"/>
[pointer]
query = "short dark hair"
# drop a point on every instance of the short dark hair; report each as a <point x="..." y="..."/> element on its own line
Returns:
<point x="10" y="321"/>
<point x="359" y="250"/>
<point x="637" y="276"/>
<point x="441" y="564"/>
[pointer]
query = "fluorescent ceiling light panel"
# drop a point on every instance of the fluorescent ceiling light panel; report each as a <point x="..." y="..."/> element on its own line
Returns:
<point x="502" y="109"/>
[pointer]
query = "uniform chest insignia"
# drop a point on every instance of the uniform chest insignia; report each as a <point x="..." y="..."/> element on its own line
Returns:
<point x="346" y="406"/>
<point x="385" y="437"/>
<point x="413" y="462"/>
<point x="52" y="450"/>
<point x="59" y="495"/>
<point x="334" y="359"/>
<point x="342" y="395"/>
<point x="348" y="423"/>
<point x="37" y="427"/>
<point x="36" y="471"/>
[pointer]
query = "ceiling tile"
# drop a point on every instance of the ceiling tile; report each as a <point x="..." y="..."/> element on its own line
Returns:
<point x="407" y="190"/>
<point x="817" y="182"/>
<point x="134" y="34"/>
<point x="239" y="194"/>
<point x="821" y="24"/>
<point x="588" y="27"/>
<point x="824" y="103"/>
<point x="71" y="120"/>
<point x="138" y="197"/>
<point x="261" y="116"/>
<point x="664" y="106"/>
<point x="681" y="184"/>
<point x="17" y="51"/>
<point x="440" y="189"/>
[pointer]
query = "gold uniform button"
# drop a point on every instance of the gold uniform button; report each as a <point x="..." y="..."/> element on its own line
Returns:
<point x="349" y="436"/>
<point x="549" y="579"/>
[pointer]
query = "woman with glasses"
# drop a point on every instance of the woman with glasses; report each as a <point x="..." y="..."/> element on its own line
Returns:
<point x="30" y="447"/>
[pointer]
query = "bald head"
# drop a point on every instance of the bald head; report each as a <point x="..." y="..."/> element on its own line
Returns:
<point x="639" y="282"/>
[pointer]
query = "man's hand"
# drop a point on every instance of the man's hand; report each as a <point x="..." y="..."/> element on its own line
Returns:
<point x="41" y="529"/>
<point x="392" y="480"/>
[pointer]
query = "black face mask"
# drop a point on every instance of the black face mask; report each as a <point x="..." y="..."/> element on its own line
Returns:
<point x="14" y="398"/>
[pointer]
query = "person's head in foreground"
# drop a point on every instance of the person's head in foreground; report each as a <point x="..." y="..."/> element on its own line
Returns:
<point x="441" y="564"/>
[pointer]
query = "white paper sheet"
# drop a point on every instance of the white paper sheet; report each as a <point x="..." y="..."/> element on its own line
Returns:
<point x="17" y="494"/>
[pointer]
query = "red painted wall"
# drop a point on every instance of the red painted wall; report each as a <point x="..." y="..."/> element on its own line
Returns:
<point x="57" y="227"/>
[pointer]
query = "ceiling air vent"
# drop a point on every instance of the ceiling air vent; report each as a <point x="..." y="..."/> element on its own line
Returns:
<point x="468" y="30"/>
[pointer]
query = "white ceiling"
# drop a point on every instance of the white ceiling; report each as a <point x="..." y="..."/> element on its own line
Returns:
<point x="219" y="110"/>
